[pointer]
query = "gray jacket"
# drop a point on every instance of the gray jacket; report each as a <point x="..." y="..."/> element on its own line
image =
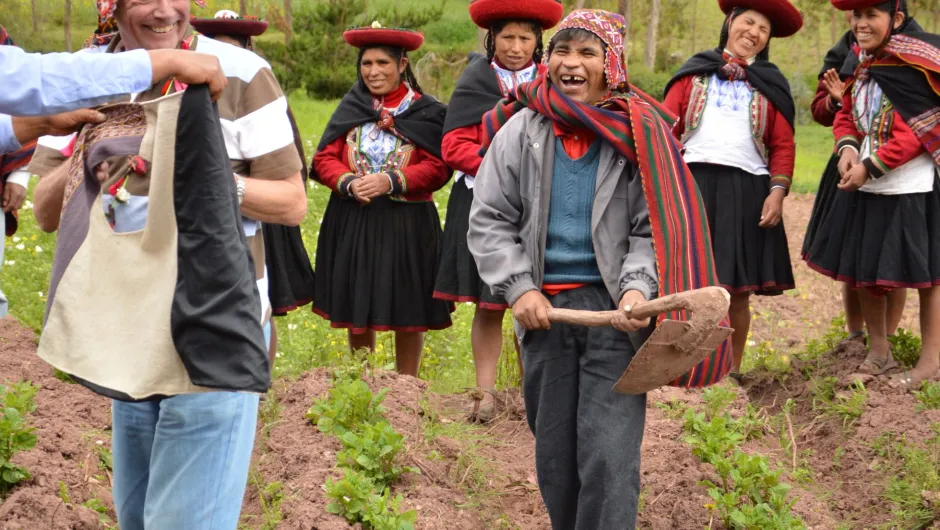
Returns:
<point x="509" y="216"/>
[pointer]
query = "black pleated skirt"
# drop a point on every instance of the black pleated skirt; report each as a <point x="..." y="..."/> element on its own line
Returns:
<point x="376" y="265"/>
<point x="458" y="279"/>
<point x="880" y="242"/>
<point x="748" y="258"/>
<point x="828" y="187"/>
<point x="290" y="275"/>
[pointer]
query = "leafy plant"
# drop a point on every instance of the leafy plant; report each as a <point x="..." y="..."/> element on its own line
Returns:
<point x="373" y="450"/>
<point x="350" y="495"/>
<point x="15" y="403"/>
<point x="349" y="405"/>
<point x="749" y="493"/>
<point x="96" y="505"/>
<point x="354" y="498"/>
<point x="386" y="514"/>
<point x="717" y="399"/>
<point x="758" y="499"/>
<point x="928" y="396"/>
<point x="905" y="347"/>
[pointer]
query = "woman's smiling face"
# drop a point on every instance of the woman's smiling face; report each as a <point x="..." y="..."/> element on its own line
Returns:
<point x="748" y="34"/>
<point x="872" y="27"/>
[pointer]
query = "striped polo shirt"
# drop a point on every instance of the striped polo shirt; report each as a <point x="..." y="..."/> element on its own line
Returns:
<point x="257" y="132"/>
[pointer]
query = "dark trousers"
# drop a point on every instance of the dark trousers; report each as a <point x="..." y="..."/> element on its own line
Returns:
<point x="587" y="437"/>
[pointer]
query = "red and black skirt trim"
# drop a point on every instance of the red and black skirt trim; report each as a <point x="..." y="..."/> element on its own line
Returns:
<point x="880" y="242"/>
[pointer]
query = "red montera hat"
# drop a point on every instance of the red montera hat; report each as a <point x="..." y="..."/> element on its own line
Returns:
<point x="786" y="18"/>
<point x="229" y="23"/>
<point x="848" y="5"/>
<point x="377" y="35"/>
<point x="547" y="13"/>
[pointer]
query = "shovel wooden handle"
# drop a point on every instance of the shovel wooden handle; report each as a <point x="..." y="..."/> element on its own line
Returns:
<point x="687" y="301"/>
<point x="591" y="319"/>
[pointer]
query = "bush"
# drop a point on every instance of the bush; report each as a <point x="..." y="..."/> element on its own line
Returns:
<point x="653" y="83"/>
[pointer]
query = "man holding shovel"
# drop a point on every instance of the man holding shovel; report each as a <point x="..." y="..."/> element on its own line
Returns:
<point x="583" y="202"/>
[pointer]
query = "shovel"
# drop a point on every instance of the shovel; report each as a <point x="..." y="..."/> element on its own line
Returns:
<point x="675" y="347"/>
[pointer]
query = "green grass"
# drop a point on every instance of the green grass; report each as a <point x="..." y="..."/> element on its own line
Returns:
<point x="813" y="149"/>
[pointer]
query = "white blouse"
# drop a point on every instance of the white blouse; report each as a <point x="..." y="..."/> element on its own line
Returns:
<point x="915" y="176"/>
<point x="724" y="135"/>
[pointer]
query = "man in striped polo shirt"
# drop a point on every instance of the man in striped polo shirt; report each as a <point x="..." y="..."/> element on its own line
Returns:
<point x="182" y="461"/>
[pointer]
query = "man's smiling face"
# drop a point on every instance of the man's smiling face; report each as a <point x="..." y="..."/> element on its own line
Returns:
<point x="152" y="24"/>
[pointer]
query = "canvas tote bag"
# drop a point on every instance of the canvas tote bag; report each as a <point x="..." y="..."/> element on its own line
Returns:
<point x="172" y="308"/>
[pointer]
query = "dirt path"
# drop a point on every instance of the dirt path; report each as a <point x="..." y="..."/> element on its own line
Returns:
<point x="477" y="478"/>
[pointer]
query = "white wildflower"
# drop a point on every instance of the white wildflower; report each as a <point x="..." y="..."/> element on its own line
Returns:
<point x="20" y="247"/>
<point x="9" y="262"/>
<point x="16" y="239"/>
<point x="38" y="249"/>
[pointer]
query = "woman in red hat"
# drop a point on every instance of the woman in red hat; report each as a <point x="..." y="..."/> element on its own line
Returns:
<point x="514" y="50"/>
<point x="736" y="119"/>
<point x="377" y="253"/>
<point x="884" y="233"/>
<point x="838" y="67"/>
<point x="290" y="274"/>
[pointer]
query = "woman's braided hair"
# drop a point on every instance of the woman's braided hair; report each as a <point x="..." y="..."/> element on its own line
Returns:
<point x="489" y="43"/>
<point x="397" y="54"/>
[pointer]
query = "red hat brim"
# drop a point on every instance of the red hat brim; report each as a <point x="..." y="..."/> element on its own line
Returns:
<point x="786" y="18"/>
<point x="848" y="5"/>
<point x="547" y="13"/>
<point x="229" y="26"/>
<point x="399" y="38"/>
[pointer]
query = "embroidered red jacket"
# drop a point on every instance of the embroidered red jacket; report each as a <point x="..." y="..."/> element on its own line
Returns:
<point x="824" y="112"/>
<point x="417" y="174"/>
<point x="893" y="145"/>
<point x="461" y="148"/>
<point x="772" y="134"/>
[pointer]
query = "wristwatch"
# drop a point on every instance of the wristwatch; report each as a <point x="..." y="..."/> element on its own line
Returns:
<point x="240" y="189"/>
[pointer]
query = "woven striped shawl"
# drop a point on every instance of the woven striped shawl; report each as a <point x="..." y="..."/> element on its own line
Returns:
<point x="640" y="128"/>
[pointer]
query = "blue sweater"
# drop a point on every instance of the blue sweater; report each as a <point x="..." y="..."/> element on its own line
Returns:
<point x="569" y="249"/>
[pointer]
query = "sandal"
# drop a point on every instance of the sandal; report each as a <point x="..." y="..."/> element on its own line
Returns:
<point x="879" y="365"/>
<point x="482" y="411"/>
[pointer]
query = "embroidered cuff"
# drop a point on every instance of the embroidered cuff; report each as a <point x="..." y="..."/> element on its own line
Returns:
<point x="846" y="141"/>
<point x="876" y="168"/>
<point x="342" y="185"/>
<point x="399" y="182"/>
<point x="781" y="181"/>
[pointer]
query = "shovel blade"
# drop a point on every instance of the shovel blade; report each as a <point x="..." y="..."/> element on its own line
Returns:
<point x="659" y="361"/>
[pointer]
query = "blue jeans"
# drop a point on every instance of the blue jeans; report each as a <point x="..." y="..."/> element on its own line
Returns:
<point x="182" y="462"/>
